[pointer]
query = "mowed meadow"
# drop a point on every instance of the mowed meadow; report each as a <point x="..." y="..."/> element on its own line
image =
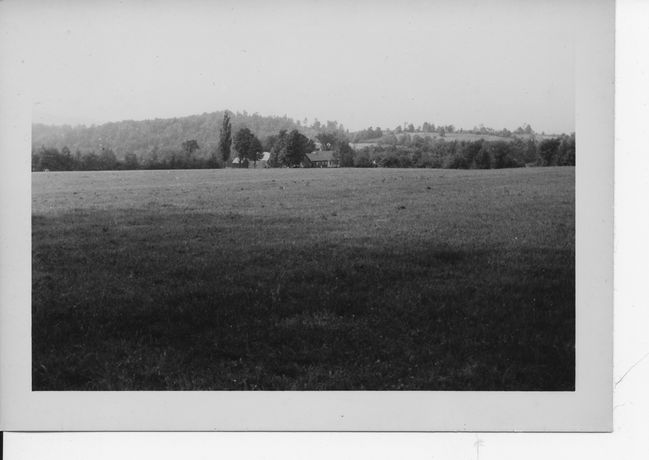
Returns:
<point x="304" y="279"/>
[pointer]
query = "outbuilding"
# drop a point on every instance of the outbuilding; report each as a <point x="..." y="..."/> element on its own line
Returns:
<point x="261" y="163"/>
<point x="321" y="159"/>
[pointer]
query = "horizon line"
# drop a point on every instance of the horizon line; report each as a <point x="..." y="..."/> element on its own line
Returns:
<point x="286" y="116"/>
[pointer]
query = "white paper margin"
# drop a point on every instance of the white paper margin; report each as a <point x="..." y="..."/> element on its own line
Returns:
<point x="589" y="408"/>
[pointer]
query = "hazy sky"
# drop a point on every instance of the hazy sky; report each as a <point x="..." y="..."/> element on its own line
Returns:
<point x="381" y="63"/>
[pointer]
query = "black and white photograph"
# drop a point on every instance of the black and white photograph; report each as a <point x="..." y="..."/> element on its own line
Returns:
<point x="304" y="196"/>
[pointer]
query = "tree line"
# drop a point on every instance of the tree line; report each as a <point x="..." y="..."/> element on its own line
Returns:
<point x="288" y="148"/>
<point x="165" y="135"/>
<point x="378" y="134"/>
<point x="479" y="154"/>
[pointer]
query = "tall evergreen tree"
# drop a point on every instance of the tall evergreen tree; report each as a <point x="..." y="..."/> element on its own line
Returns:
<point x="278" y="148"/>
<point x="225" y="138"/>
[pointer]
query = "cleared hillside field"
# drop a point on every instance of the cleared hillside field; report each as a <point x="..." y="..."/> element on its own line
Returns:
<point x="294" y="279"/>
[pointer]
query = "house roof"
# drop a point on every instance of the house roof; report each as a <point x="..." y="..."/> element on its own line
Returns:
<point x="321" y="155"/>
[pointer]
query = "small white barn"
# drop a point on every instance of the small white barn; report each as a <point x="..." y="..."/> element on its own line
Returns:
<point x="263" y="163"/>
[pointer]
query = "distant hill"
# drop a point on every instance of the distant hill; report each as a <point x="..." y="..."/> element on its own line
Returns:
<point x="168" y="134"/>
<point x="140" y="137"/>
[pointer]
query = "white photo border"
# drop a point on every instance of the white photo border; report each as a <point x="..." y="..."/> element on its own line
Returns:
<point x="588" y="408"/>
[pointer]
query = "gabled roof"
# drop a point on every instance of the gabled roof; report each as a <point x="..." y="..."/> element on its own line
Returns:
<point x="321" y="155"/>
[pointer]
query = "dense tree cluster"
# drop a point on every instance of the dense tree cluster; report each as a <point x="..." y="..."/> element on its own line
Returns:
<point x="288" y="148"/>
<point x="189" y="156"/>
<point x="383" y="136"/>
<point x="367" y="134"/>
<point x="248" y="147"/>
<point x="480" y="154"/>
<point x="426" y="127"/>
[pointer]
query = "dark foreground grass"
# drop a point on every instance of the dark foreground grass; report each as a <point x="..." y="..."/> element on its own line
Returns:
<point x="304" y="280"/>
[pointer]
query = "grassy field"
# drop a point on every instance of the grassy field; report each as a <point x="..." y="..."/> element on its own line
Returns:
<point x="292" y="279"/>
